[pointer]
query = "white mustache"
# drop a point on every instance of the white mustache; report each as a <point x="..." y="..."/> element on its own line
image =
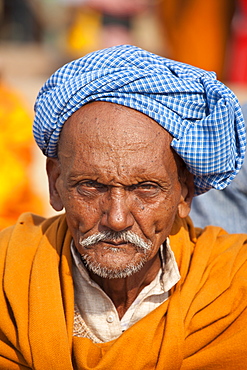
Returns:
<point x="125" y="236"/>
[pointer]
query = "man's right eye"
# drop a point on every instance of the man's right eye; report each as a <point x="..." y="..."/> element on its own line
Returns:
<point x="90" y="185"/>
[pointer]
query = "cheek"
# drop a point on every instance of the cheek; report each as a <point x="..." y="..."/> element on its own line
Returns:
<point x="81" y="215"/>
<point x="157" y="218"/>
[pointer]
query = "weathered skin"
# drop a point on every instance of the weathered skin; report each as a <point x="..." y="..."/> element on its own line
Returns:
<point x="116" y="171"/>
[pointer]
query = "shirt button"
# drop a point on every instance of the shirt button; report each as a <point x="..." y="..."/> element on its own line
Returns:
<point x="110" y="318"/>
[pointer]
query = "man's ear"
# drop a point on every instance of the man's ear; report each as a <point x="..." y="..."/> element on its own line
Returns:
<point x="53" y="172"/>
<point x="187" y="194"/>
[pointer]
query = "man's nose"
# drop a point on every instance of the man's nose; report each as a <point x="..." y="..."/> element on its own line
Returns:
<point x="116" y="210"/>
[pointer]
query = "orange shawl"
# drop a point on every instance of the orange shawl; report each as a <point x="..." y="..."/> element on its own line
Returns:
<point x="203" y="325"/>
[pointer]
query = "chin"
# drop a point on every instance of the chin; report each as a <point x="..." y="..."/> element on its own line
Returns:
<point x="110" y="271"/>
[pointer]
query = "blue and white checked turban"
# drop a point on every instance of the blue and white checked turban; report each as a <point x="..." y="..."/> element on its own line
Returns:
<point x="202" y="115"/>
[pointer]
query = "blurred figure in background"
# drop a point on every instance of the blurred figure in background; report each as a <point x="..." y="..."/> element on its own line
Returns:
<point x="117" y="19"/>
<point x="98" y="24"/>
<point x="197" y="31"/>
<point x="237" y="63"/>
<point x="21" y="21"/>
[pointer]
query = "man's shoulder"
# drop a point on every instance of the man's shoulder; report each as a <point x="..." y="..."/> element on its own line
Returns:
<point x="221" y="255"/>
<point x="211" y="247"/>
<point x="28" y="227"/>
<point x="220" y="238"/>
<point x="30" y="237"/>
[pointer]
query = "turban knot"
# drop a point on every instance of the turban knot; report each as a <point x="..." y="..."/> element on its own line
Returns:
<point x="202" y="115"/>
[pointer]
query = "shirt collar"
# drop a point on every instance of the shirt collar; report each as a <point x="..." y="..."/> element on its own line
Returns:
<point x="168" y="275"/>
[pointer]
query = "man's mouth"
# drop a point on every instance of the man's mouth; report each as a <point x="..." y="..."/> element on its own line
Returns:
<point x="116" y="240"/>
<point x="115" y="243"/>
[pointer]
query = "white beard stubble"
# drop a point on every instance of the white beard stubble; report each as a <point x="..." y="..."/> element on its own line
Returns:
<point x="115" y="273"/>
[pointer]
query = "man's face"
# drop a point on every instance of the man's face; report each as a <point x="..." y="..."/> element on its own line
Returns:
<point x="116" y="172"/>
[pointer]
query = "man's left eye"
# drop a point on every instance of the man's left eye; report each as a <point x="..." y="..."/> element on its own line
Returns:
<point x="147" y="187"/>
<point x="91" y="184"/>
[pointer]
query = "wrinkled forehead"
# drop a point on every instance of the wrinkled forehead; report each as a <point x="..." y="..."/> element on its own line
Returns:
<point x="107" y="140"/>
<point x="114" y="126"/>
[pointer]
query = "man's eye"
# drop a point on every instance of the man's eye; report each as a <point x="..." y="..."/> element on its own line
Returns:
<point x="146" y="187"/>
<point x="90" y="186"/>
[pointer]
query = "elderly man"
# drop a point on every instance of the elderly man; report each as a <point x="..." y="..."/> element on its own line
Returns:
<point x="122" y="280"/>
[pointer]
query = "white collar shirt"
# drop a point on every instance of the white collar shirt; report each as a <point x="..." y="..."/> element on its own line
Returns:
<point x="95" y="310"/>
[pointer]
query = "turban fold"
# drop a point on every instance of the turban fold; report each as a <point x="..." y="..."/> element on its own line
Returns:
<point x="201" y="113"/>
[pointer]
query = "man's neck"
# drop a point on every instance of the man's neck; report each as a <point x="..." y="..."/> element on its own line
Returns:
<point x="123" y="292"/>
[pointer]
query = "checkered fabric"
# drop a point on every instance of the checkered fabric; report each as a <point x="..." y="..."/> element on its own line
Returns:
<point x="202" y="114"/>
